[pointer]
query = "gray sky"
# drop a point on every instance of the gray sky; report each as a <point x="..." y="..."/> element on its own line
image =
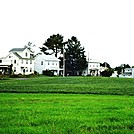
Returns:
<point x="104" y="27"/>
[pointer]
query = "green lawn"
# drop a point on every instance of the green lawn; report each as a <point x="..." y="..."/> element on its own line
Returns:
<point x="85" y="85"/>
<point x="66" y="113"/>
<point x="70" y="105"/>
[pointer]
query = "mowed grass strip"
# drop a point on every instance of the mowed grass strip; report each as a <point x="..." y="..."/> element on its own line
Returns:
<point x="77" y="85"/>
<point x="66" y="113"/>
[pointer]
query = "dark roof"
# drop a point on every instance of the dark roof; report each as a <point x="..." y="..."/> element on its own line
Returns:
<point x="17" y="49"/>
<point x="17" y="55"/>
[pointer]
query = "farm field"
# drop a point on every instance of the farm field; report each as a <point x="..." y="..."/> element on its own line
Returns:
<point x="71" y="105"/>
<point x="76" y="85"/>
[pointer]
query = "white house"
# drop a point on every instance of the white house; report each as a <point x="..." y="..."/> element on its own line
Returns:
<point x="20" y="60"/>
<point x="128" y="73"/>
<point x="93" y="68"/>
<point x="46" y="62"/>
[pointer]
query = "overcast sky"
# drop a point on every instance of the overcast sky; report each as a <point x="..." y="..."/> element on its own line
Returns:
<point x="104" y="27"/>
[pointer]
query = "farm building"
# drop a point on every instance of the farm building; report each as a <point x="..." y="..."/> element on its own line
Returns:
<point x="128" y="73"/>
<point x="46" y="62"/>
<point x="93" y="68"/>
<point x="19" y="61"/>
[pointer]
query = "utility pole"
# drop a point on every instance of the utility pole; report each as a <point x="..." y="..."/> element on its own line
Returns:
<point x="88" y="64"/>
<point x="63" y="60"/>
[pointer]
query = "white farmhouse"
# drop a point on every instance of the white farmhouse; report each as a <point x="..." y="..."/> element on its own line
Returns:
<point x="93" y="68"/>
<point x="46" y="62"/>
<point x="20" y="60"/>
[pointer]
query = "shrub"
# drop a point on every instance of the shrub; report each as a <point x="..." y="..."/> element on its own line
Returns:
<point x="48" y="73"/>
<point x="107" y="73"/>
<point x="36" y="73"/>
<point x="14" y="76"/>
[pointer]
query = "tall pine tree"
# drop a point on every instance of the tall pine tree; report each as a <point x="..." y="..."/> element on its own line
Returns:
<point x="53" y="45"/>
<point x="75" y="57"/>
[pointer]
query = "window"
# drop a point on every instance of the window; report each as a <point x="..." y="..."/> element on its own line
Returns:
<point x="31" y="55"/>
<point x="30" y="69"/>
<point x="52" y="63"/>
<point x="26" y="54"/>
<point x="41" y="62"/>
<point x="48" y="63"/>
<point x="26" y="61"/>
<point x="14" y="69"/>
<point x="30" y="61"/>
<point x="22" y="61"/>
<point x="0" y="61"/>
<point x="9" y="56"/>
<point x="26" y="69"/>
<point x="14" y="61"/>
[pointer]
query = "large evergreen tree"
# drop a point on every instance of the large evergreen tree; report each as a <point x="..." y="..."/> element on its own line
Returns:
<point x="75" y="58"/>
<point x="53" y="45"/>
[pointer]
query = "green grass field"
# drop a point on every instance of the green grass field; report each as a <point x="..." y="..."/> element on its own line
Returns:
<point x="71" y="105"/>
<point x="85" y="85"/>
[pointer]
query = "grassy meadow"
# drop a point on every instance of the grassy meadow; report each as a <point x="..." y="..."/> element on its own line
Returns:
<point x="70" y="105"/>
<point x="76" y="85"/>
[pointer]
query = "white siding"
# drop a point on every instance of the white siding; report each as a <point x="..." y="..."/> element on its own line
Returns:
<point x="49" y="63"/>
<point x="93" y="68"/>
<point x="18" y="65"/>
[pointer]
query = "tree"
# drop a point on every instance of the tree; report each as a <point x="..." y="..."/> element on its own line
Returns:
<point x="53" y="45"/>
<point x="105" y="64"/>
<point x="107" y="73"/>
<point x="75" y="58"/>
<point x="30" y="46"/>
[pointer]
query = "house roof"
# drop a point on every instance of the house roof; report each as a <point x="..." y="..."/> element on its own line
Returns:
<point x="17" y="49"/>
<point x="48" y="57"/>
<point x="15" y="53"/>
<point x="1" y="58"/>
<point x="93" y="61"/>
